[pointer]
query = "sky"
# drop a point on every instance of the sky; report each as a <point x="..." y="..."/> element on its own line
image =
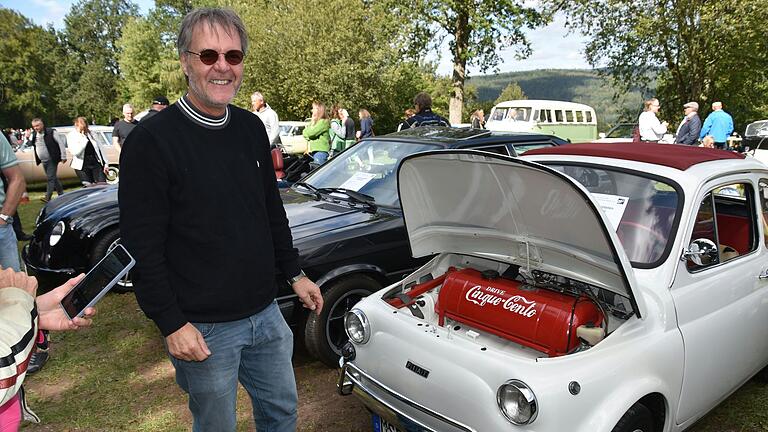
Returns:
<point x="553" y="47"/>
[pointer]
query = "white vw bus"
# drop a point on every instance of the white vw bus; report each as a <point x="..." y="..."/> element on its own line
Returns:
<point x="568" y="120"/>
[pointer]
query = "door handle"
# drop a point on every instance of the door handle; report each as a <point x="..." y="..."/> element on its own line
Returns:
<point x="763" y="274"/>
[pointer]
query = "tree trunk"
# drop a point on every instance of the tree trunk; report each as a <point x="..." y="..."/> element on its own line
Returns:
<point x="461" y="44"/>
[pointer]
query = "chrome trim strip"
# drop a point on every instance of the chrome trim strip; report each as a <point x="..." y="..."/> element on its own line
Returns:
<point x="399" y="397"/>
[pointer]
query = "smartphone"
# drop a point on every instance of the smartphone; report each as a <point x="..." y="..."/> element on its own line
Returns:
<point x="102" y="277"/>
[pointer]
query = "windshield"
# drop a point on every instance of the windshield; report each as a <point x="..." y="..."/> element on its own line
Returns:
<point x="369" y="167"/>
<point x="641" y="209"/>
<point x="511" y="114"/>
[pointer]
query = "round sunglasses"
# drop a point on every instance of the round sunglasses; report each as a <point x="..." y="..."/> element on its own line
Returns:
<point x="209" y="56"/>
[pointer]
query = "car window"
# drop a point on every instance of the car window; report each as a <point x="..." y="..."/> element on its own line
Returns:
<point x="558" y="116"/>
<point x="580" y="116"/>
<point x="726" y="218"/>
<point x="522" y="148"/>
<point x="368" y="167"/>
<point x="642" y="209"/>
<point x="498" y="149"/>
<point x="569" y="116"/>
<point x="589" y="117"/>
<point x="764" y="208"/>
<point x="621" y="131"/>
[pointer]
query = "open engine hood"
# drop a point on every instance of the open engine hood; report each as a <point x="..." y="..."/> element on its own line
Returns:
<point x="510" y="210"/>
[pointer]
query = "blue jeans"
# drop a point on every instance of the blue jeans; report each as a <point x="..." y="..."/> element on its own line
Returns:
<point x="320" y="157"/>
<point x="9" y="248"/>
<point x="255" y="351"/>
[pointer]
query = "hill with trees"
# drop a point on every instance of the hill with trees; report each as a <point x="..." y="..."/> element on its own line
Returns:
<point x="573" y="85"/>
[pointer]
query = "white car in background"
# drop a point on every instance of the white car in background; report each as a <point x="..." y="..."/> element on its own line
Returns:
<point x="34" y="173"/>
<point x="291" y="138"/>
<point x="579" y="288"/>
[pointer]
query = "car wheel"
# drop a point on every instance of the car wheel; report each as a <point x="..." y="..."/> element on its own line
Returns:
<point x="113" y="174"/>
<point x="324" y="335"/>
<point x="637" y="419"/>
<point x="104" y="244"/>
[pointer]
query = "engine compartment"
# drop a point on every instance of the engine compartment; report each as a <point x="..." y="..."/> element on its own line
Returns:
<point x="540" y="311"/>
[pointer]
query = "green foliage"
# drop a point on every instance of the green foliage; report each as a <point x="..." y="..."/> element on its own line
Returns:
<point x="702" y="50"/>
<point x="304" y="51"/>
<point x="511" y="92"/>
<point x="27" y="67"/>
<point x="478" y="31"/>
<point x="89" y="78"/>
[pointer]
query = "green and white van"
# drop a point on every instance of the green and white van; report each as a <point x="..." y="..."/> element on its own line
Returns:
<point x="568" y="120"/>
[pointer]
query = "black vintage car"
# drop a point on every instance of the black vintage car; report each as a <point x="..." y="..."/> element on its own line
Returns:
<point x="345" y="219"/>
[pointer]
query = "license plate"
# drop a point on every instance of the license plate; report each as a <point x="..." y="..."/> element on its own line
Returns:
<point x="381" y="425"/>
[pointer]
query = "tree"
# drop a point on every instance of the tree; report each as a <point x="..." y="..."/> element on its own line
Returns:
<point x="27" y="66"/>
<point x="478" y="30"/>
<point x="511" y="92"/>
<point x="697" y="50"/>
<point x="89" y="82"/>
<point x="297" y="55"/>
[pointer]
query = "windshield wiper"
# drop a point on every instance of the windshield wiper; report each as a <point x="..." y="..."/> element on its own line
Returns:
<point x="354" y="196"/>
<point x="315" y="191"/>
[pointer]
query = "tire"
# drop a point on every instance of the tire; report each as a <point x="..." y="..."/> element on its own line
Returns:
<point x="113" y="174"/>
<point x="637" y="419"/>
<point x="105" y="243"/>
<point x="324" y="335"/>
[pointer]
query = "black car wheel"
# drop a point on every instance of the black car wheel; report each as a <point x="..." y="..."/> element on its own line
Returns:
<point x="637" y="419"/>
<point x="104" y="244"/>
<point x="324" y="335"/>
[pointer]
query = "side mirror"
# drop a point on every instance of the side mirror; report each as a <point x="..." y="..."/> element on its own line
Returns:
<point x="701" y="252"/>
<point x="602" y="135"/>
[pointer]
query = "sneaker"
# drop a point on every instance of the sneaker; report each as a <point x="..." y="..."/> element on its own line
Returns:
<point x="37" y="361"/>
<point x="27" y="413"/>
<point x="44" y="199"/>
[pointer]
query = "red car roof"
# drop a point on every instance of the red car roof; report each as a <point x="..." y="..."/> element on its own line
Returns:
<point x="677" y="156"/>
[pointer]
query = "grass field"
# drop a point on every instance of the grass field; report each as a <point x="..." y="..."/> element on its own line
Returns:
<point x="115" y="377"/>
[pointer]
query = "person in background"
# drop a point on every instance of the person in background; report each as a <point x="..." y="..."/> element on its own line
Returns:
<point x="708" y="142"/>
<point x="690" y="126"/>
<point x="651" y="129"/>
<point x="268" y="116"/>
<point x="477" y="119"/>
<point x="211" y="289"/>
<point x="316" y="134"/>
<point x="22" y="315"/>
<point x="336" y="132"/>
<point x="49" y="151"/>
<point x="366" y="124"/>
<point x="349" y="128"/>
<point x="158" y="104"/>
<point x="719" y="124"/>
<point x="424" y="116"/>
<point x="410" y="112"/>
<point x="87" y="158"/>
<point x="123" y="127"/>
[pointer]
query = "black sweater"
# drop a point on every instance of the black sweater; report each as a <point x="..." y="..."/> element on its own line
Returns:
<point x="201" y="213"/>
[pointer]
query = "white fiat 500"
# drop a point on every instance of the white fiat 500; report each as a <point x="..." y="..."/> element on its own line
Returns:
<point x="587" y="287"/>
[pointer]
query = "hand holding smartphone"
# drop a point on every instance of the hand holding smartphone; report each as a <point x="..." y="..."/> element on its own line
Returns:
<point x="102" y="277"/>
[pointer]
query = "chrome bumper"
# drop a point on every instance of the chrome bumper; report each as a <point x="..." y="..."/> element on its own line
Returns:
<point x="376" y="395"/>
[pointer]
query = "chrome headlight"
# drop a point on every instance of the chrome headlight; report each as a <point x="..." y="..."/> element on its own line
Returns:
<point x="56" y="233"/>
<point x="517" y="402"/>
<point x="357" y="327"/>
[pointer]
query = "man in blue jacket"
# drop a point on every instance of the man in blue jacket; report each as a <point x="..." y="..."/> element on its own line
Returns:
<point x="719" y="124"/>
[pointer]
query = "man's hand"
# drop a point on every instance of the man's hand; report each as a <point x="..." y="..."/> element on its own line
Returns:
<point x="10" y="278"/>
<point x="309" y="294"/>
<point x="52" y="316"/>
<point x="187" y="343"/>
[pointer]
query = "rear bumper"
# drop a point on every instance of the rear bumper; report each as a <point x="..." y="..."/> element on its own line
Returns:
<point x="392" y="406"/>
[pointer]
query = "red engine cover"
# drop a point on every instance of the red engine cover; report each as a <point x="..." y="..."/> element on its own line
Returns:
<point x="538" y="318"/>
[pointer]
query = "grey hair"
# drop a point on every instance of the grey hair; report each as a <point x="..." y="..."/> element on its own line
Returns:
<point x="257" y="95"/>
<point x="224" y="18"/>
<point x="127" y="106"/>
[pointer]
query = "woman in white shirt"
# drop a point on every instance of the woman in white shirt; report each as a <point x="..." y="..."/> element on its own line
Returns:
<point x="651" y="129"/>
<point x="88" y="161"/>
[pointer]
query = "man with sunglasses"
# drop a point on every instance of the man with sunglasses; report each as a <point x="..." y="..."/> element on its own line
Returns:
<point x="209" y="285"/>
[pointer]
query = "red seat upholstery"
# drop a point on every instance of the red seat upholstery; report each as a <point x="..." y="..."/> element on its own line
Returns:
<point x="277" y="162"/>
